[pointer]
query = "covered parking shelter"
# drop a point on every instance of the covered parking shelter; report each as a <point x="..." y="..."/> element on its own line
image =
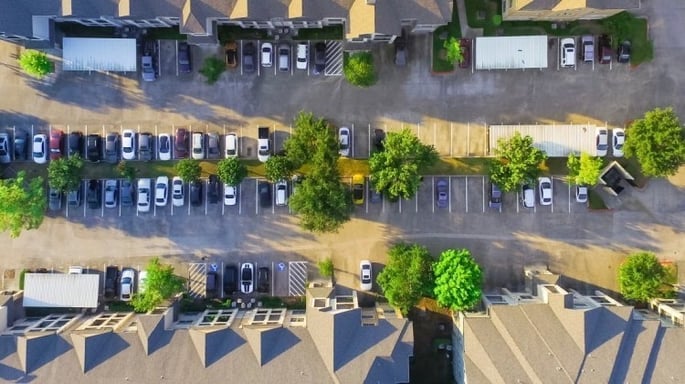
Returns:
<point x="57" y="290"/>
<point x="511" y="52"/>
<point x="557" y="140"/>
<point x="99" y="54"/>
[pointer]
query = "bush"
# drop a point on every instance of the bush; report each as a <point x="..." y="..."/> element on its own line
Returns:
<point x="326" y="267"/>
<point x="358" y="69"/>
<point x="35" y="63"/>
<point x="22" y="276"/>
<point x="496" y="20"/>
<point x="212" y="69"/>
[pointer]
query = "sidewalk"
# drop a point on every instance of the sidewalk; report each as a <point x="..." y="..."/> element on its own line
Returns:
<point x="466" y="31"/>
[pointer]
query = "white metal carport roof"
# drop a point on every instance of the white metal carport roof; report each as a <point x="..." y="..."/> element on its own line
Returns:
<point x="99" y="54"/>
<point x="555" y="140"/>
<point x="511" y="52"/>
<point x="56" y="290"/>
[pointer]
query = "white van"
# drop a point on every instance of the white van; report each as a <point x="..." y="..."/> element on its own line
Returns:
<point x="231" y="145"/>
<point x="284" y="57"/>
<point x="528" y="196"/>
<point x="302" y="56"/>
<point x="198" y="146"/>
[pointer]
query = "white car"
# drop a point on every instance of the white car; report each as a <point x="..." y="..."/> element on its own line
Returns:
<point x="164" y="143"/>
<point x="128" y="145"/>
<point x="366" y="273"/>
<point x="230" y="195"/>
<point x="142" y="279"/>
<point x="40" y="148"/>
<point x="148" y="70"/>
<point x="302" y="57"/>
<point x="198" y="146"/>
<point x="128" y="277"/>
<point x="581" y="194"/>
<point x="545" y="186"/>
<point x="619" y="139"/>
<point x="231" y="145"/>
<point x="161" y="191"/>
<point x="267" y="55"/>
<point x="177" y="198"/>
<point x="111" y="189"/>
<point x="282" y="193"/>
<point x="568" y="53"/>
<point x="602" y="141"/>
<point x="246" y="278"/>
<point x="144" y="195"/>
<point x="344" y="140"/>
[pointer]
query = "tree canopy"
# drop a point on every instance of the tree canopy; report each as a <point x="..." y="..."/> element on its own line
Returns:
<point x="126" y="170"/>
<point x="407" y="276"/>
<point x="35" y="63"/>
<point x="641" y="277"/>
<point x="657" y="141"/>
<point x="22" y="204"/>
<point x="458" y="280"/>
<point x="278" y="168"/>
<point x="583" y="170"/>
<point x="453" y="49"/>
<point x="231" y="171"/>
<point x="396" y="171"/>
<point x="161" y="284"/>
<point x="359" y="70"/>
<point x="516" y="162"/>
<point x="64" y="174"/>
<point x="323" y="203"/>
<point x="189" y="170"/>
<point x="302" y="144"/>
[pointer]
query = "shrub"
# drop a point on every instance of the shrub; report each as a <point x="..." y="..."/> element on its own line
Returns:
<point x="35" y="63"/>
<point x="326" y="267"/>
<point x="212" y="69"/>
<point x="358" y="69"/>
<point x="496" y="20"/>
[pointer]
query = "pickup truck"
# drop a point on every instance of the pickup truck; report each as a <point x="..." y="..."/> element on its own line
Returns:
<point x="263" y="150"/>
<point x="587" y="44"/>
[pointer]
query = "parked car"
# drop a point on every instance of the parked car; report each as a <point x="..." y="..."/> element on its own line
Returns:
<point x="54" y="199"/>
<point x="465" y="45"/>
<point x="281" y="193"/>
<point x="527" y="196"/>
<point x="161" y="191"/>
<point x="212" y="145"/>
<point x="365" y="276"/>
<point x="164" y="151"/>
<point x="568" y="53"/>
<point x="40" y="153"/>
<point x="147" y="68"/>
<point x="358" y="184"/>
<point x="230" y="196"/>
<point x="602" y="142"/>
<point x="74" y="197"/>
<point x="623" y="54"/>
<point x="126" y="193"/>
<point x="246" y="278"/>
<point x="495" y="201"/>
<point x="379" y="139"/>
<point x="195" y="192"/>
<point x="93" y="148"/>
<point x="177" y="198"/>
<point x="74" y="144"/>
<point x="263" y="145"/>
<point x="263" y="280"/>
<point x="184" y="62"/>
<point x="128" y="145"/>
<point x="231" y="145"/>
<point x="198" y="146"/>
<point x="56" y="141"/>
<point x="111" y="279"/>
<point x="587" y="45"/>
<point x="442" y="192"/>
<point x="230" y="279"/>
<point x="344" y="140"/>
<point x="319" y="58"/>
<point x="144" y="191"/>
<point x="211" y="286"/>
<point x="181" y="143"/>
<point x="5" y="152"/>
<point x="93" y="194"/>
<point x="604" y="49"/>
<point x="545" y="189"/>
<point x="264" y="189"/>
<point x="213" y="189"/>
<point x="302" y="57"/>
<point x="112" y="148"/>
<point x="231" y="54"/>
<point x="128" y="277"/>
<point x="111" y="189"/>
<point x="20" y="139"/>
<point x="142" y="280"/>
<point x="267" y="54"/>
<point x="145" y="146"/>
<point x="581" y="194"/>
<point x="249" y="60"/>
<point x="401" y="51"/>
<point x="284" y="57"/>
<point x="619" y="139"/>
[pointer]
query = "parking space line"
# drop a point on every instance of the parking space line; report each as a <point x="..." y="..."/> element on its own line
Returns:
<point x="352" y="140"/>
<point x="154" y="200"/>
<point x="188" y="197"/>
<point x="256" y="196"/>
<point x="176" y="53"/>
<point x="517" y="201"/>
<point x="206" y="195"/>
<point x="366" y="193"/>
<point x="433" y="193"/>
<point x="552" y="188"/>
<point x="369" y="140"/>
<point x="466" y="194"/>
<point x="569" y="192"/>
<point x="159" y="58"/>
<point x="172" y="205"/>
<point x="449" y="201"/>
<point x="273" y="199"/>
<point x="483" y="179"/>
<point x="223" y="202"/>
<point x="416" y="201"/>
<point x="83" y="189"/>
<point x="240" y="199"/>
<point x="102" y="203"/>
<point x="156" y="149"/>
<point x="400" y="205"/>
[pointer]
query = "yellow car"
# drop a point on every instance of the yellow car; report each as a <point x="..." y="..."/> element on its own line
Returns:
<point x="358" y="189"/>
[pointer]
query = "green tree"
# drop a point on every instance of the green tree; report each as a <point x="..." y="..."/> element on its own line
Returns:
<point x="212" y="69"/>
<point x="126" y="170"/>
<point x="458" y="280"/>
<point x="396" y="171"/>
<point x="22" y="204"/>
<point x="517" y="162"/>
<point x="160" y="285"/>
<point x="278" y="168"/>
<point x="323" y="203"/>
<point x="188" y="170"/>
<point x="359" y="70"/>
<point x="407" y="276"/>
<point x="64" y="174"/>
<point x="641" y="277"/>
<point x="453" y="49"/>
<point x="326" y="267"/>
<point x="657" y="141"/>
<point x="583" y="170"/>
<point x="301" y="145"/>
<point x="35" y="63"/>
<point x="231" y="171"/>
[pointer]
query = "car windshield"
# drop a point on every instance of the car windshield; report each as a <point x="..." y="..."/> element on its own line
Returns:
<point x="164" y="144"/>
<point x="247" y="274"/>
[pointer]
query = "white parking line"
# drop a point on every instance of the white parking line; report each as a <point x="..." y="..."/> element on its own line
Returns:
<point x="352" y="140"/>
<point x="273" y="199"/>
<point x="83" y="189"/>
<point x="569" y="192"/>
<point x="452" y="139"/>
<point x="188" y="194"/>
<point x="256" y="196"/>
<point x="466" y="193"/>
<point x="483" y="178"/>
<point x="552" y="187"/>
<point x="156" y="149"/>
<point x="240" y="200"/>
<point x="433" y="193"/>
<point x="366" y="193"/>
<point x="517" y="201"/>
<point x="102" y="203"/>
<point x="206" y="195"/>
<point x="159" y="58"/>
<point x="176" y="54"/>
<point x="449" y="201"/>
<point x="369" y="140"/>
<point x="400" y="206"/>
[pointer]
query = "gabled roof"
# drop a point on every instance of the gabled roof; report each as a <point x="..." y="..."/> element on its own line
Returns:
<point x="95" y="347"/>
<point x="267" y="343"/>
<point x="151" y="332"/>
<point x="213" y="343"/>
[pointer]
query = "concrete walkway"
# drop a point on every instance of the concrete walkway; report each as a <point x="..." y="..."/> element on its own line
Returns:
<point x="466" y="31"/>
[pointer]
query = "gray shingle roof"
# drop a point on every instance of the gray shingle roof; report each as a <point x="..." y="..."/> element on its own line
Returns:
<point x="390" y="12"/>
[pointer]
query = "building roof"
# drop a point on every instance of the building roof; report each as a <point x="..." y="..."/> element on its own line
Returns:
<point x="55" y="290"/>
<point x="564" y="5"/>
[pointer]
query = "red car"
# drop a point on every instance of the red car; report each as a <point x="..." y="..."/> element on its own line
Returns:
<point x="181" y="143"/>
<point x="465" y="45"/>
<point x="56" y="138"/>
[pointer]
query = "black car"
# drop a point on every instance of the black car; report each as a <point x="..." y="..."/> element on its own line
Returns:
<point x="93" y="195"/>
<point x="211" y="284"/>
<point x="264" y="189"/>
<point x="184" y="64"/>
<point x="93" y="148"/>
<point x="20" y="146"/>
<point x="495" y="197"/>
<point x="74" y="143"/>
<point x="213" y="189"/>
<point x="230" y="279"/>
<point x="196" y="193"/>
<point x="319" y="57"/>
<point x="623" y="54"/>
<point x="111" y="277"/>
<point x="263" y="280"/>
<point x="401" y="52"/>
<point x="249" y="57"/>
<point x="379" y="139"/>
<point x="145" y="146"/>
<point x="112" y="148"/>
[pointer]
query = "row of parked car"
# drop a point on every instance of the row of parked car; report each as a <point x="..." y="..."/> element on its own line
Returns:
<point x="568" y="52"/>
<point x="271" y="54"/>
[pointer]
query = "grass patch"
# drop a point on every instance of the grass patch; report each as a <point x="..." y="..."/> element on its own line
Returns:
<point x="625" y="26"/>
<point x="596" y="201"/>
<point x="80" y="30"/>
<point x="234" y="32"/>
<point x="459" y="166"/>
<point x="120" y="306"/>
<point x="170" y="33"/>
<point x="330" y="32"/>
<point x="555" y="166"/>
<point x="22" y="277"/>
<point x="212" y="68"/>
<point x="440" y="35"/>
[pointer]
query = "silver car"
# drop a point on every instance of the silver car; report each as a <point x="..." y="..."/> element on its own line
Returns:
<point x="5" y="156"/>
<point x="111" y="189"/>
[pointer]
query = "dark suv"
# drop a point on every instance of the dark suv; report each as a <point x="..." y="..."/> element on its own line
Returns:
<point x="74" y="141"/>
<point x="263" y="280"/>
<point x="264" y="189"/>
<point x="111" y="277"/>
<point x="196" y="193"/>
<point x="230" y="279"/>
<point x="93" y="149"/>
<point x="112" y="148"/>
<point x="181" y="143"/>
<point x="213" y="189"/>
<point x="93" y="195"/>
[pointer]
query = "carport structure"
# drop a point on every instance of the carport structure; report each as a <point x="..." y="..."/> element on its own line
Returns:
<point x="99" y="54"/>
<point x="555" y="140"/>
<point x="511" y="52"/>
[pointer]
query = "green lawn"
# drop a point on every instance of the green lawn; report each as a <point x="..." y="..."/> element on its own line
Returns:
<point x="331" y="32"/>
<point x="233" y="32"/>
<point x="440" y="35"/>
